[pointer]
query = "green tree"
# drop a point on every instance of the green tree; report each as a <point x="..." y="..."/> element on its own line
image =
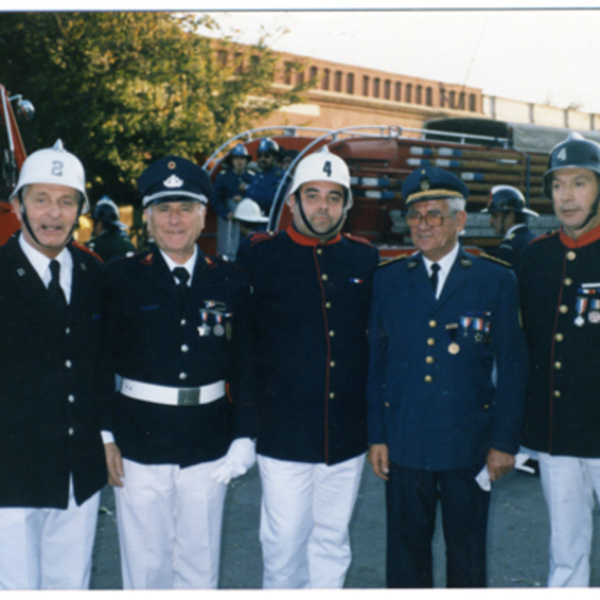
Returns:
<point x="121" y="89"/>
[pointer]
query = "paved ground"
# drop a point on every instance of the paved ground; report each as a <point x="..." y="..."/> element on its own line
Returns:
<point x="517" y="539"/>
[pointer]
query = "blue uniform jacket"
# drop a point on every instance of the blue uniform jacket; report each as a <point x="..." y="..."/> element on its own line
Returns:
<point x="435" y="409"/>
<point x="227" y="185"/>
<point x="311" y="305"/>
<point x="153" y="340"/>
<point x="264" y="187"/>
<point x="511" y="247"/>
<point x="560" y="294"/>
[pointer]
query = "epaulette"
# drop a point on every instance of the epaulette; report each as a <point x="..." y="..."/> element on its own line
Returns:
<point x="86" y="249"/>
<point x="263" y="236"/>
<point x="356" y="238"/>
<point x="385" y="263"/>
<point x="494" y="259"/>
<point x="545" y="236"/>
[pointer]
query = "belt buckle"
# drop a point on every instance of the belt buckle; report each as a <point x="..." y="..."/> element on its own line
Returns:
<point x="188" y="396"/>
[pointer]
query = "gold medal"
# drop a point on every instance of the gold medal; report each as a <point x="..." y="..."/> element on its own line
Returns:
<point x="454" y="348"/>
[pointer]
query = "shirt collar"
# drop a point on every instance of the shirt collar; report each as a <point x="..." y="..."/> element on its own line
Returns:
<point x="188" y="265"/>
<point x="40" y="262"/>
<point x="445" y="262"/>
<point x="308" y="240"/>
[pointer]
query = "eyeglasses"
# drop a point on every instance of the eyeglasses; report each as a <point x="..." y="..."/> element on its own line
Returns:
<point x="432" y="218"/>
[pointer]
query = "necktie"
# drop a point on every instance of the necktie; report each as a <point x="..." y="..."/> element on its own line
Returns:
<point x="182" y="275"/>
<point x="54" y="288"/>
<point x="434" y="277"/>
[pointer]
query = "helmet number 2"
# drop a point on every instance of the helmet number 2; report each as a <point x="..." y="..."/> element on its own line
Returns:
<point x="327" y="168"/>
<point x="57" y="168"/>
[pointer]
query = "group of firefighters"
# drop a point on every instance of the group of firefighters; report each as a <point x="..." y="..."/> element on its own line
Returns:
<point x="168" y="372"/>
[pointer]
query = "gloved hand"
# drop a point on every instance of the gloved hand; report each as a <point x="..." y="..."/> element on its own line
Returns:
<point x="239" y="458"/>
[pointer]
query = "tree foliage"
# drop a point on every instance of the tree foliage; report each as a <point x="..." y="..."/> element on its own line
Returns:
<point x="122" y="89"/>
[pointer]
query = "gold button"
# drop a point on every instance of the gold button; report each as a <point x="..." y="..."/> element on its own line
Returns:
<point x="558" y="365"/>
<point x="432" y="323"/>
<point x="430" y="342"/>
<point x="559" y="337"/>
<point x="327" y="304"/>
<point x="486" y="406"/>
<point x="571" y="255"/>
<point x="332" y="395"/>
<point x="429" y="360"/>
<point x="556" y="394"/>
<point x="332" y="363"/>
<point x="319" y="250"/>
<point x="387" y="404"/>
<point x="564" y="309"/>
<point x="568" y="281"/>
<point x="324" y="277"/>
<point x="428" y="378"/>
<point x="331" y="333"/>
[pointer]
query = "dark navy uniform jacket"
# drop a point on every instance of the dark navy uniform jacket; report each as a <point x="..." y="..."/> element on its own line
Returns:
<point x="435" y="409"/>
<point x="264" y="187"/>
<point x="560" y="294"/>
<point x="111" y="243"/>
<point x="153" y="339"/>
<point x="49" y="414"/>
<point x="227" y="185"/>
<point x="512" y="246"/>
<point x="311" y="304"/>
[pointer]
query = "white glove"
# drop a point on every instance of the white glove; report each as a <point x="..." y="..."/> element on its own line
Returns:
<point x="239" y="458"/>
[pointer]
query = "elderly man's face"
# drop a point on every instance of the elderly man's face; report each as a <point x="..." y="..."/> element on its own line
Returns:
<point x="434" y="241"/>
<point x="52" y="211"/>
<point x="175" y="227"/>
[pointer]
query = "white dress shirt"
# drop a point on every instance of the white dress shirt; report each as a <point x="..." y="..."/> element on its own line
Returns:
<point x="445" y="264"/>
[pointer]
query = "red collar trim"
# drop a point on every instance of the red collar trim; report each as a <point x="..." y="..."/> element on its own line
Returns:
<point x="583" y="240"/>
<point x="306" y="240"/>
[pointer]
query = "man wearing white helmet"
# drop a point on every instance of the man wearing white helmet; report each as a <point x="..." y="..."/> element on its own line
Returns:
<point x="312" y="287"/>
<point x="52" y="465"/>
<point x="250" y="220"/>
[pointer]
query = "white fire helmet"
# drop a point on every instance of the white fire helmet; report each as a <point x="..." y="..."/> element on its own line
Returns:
<point x="322" y="166"/>
<point x="249" y="211"/>
<point x="54" y="165"/>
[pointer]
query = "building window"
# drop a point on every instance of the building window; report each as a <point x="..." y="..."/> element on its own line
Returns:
<point x="314" y="73"/>
<point x="461" y="101"/>
<point x="452" y="99"/>
<point x="350" y="83"/>
<point x="429" y="96"/>
<point x="299" y="77"/>
<point x="419" y="94"/>
<point x="472" y="102"/>
<point x="239" y="62"/>
<point x="387" y="89"/>
<point x="365" y="85"/>
<point x="376" y="86"/>
<point x="222" y="58"/>
<point x="442" y="97"/>
<point x="398" y="91"/>
<point x="338" y="81"/>
<point x="287" y="73"/>
<point x="325" y="82"/>
<point x="408" y="93"/>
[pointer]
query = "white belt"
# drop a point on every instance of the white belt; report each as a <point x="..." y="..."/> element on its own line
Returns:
<point x="162" y="394"/>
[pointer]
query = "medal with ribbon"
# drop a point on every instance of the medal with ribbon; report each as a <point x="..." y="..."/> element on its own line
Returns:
<point x="204" y="329"/>
<point x="580" y="306"/>
<point x="452" y="329"/>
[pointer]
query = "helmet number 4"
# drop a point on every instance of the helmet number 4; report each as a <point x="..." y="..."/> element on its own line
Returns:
<point x="327" y="168"/>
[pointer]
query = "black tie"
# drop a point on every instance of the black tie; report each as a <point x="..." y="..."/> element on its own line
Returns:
<point x="54" y="288"/>
<point x="182" y="275"/>
<point x="434" y="277"/>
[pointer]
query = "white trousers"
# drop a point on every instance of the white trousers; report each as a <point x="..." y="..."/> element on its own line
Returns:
<point x="169" y="521"/>
<point x="569" y="484"/>
<point x="48" y="548"/>
<point x="305" y="513"/>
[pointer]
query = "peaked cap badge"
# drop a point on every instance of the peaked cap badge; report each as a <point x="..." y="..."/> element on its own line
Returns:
<point x="172" y="165"/>
<point x="425" y="184"/>
<point x="173" y="182"/>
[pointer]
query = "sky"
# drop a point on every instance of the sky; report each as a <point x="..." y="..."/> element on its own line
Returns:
<point x="542" y="56"/>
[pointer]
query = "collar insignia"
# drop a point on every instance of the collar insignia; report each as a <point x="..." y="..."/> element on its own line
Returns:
<point x="21" y="272"/>
<point x="412" y="263"/>
<point x="465" y="262"/>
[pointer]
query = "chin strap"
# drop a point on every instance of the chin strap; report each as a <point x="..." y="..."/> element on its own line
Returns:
<point x="331" y="230"/>
<point x="25" y="219"/>
<point x="593" y="212"/>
